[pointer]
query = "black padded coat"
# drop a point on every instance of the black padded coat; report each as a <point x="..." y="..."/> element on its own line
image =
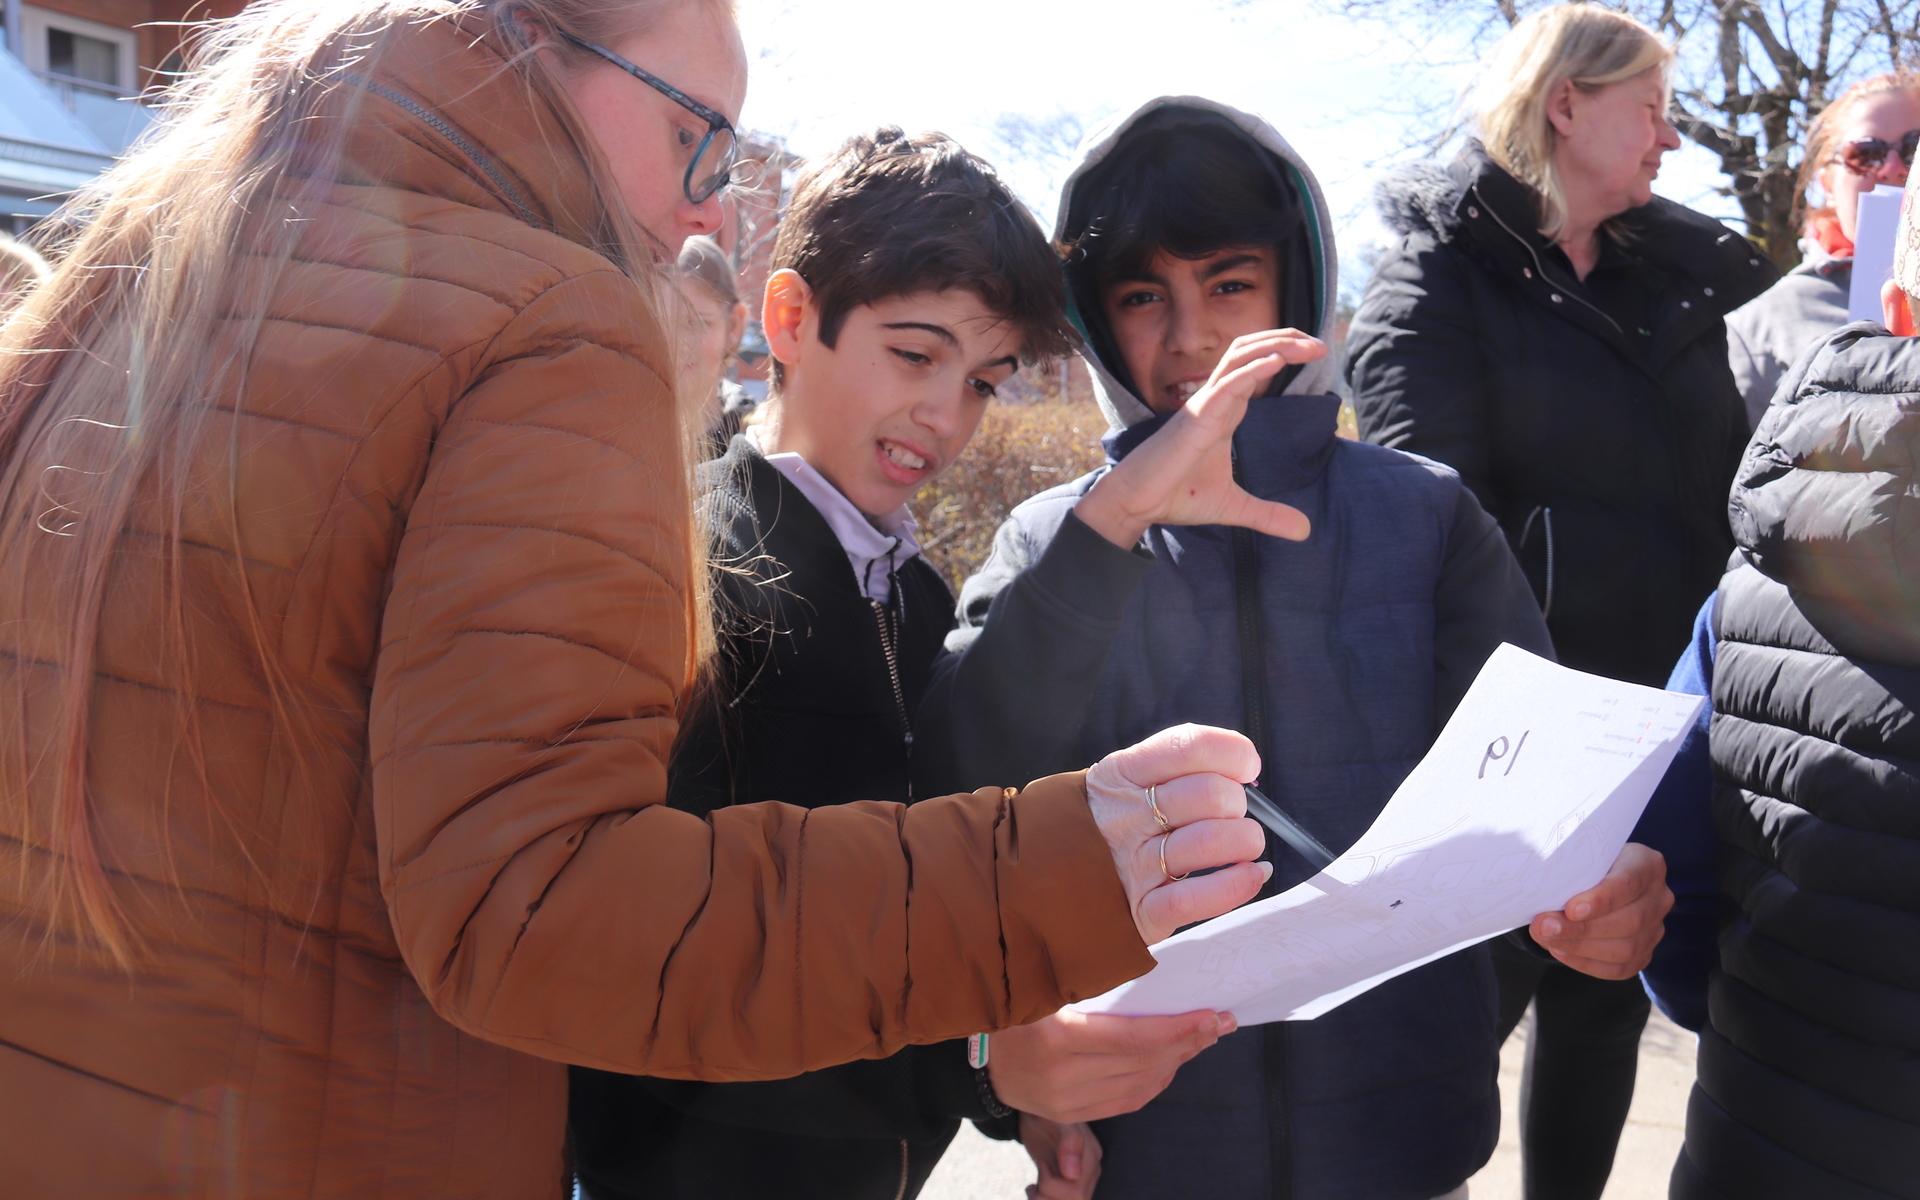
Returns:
<point x="1604" y="446"/>
<point x="1809" y="1074"/>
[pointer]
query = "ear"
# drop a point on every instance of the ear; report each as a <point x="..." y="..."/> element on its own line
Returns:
<point x="1824" y="177"/>
<point x="782" y="313"/>
<point x="1560" y="106"/>
<point x="736" y="326"/>
<point x="1897" y="307"/>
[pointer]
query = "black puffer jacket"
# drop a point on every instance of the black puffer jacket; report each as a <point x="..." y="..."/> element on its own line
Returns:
<point x="1809" y="1076"/>
<point x="1603" y="449"/>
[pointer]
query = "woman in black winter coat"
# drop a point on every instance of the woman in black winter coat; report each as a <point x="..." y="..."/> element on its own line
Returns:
<point x="1555" y="333"/>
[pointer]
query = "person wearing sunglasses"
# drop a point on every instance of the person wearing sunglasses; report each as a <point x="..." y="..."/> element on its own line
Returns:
<point x="1865" y="138"/>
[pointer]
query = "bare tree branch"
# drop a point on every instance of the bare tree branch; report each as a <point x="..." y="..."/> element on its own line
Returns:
<point x="1748" y="16"/>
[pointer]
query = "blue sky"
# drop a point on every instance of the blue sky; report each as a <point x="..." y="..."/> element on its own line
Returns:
<point x="1350" y="95"/>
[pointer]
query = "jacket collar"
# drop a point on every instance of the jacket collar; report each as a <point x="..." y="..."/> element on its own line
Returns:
<point x="1500" y="215"/>
<point x="1283" y="443"/>
<point x="816" y="522"/>
<point x="443" y="113"/>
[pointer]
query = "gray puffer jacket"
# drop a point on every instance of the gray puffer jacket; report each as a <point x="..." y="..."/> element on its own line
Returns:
<point x="1767" y="333"/>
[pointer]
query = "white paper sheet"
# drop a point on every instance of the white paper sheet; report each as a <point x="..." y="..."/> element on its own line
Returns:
<point x="1523" y="802"/>
<point x="1876" y="227"/>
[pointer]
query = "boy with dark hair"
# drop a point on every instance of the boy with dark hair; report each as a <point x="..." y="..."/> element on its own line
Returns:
<point x="908" y="286"/>
<point x="1192" y="230"/>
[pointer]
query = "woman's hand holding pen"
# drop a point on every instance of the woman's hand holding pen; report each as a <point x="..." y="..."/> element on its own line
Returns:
<point x="1183" y="474"/>
<point x="1170" y="807"/>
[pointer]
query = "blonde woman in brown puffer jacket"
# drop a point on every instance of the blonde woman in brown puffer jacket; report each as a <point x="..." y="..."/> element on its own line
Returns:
<point x="347" y="608"/>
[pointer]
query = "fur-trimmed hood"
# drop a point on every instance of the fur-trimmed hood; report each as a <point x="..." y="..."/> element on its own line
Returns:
<point x="1418" y="198"/>
<point x="1446" y="203"/>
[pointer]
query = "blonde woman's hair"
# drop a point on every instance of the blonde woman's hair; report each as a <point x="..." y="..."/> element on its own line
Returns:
<point x="1583" y="44"/>
<point x="1823" y="136"/>
<point x="188" y="237"/>
<point x="21" y="270"/>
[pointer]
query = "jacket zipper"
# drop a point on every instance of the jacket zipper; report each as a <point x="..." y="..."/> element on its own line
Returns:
<point x="445" y="129"/>
<point x="1545" y="513"/>
<point x="889" y="646"/>
<point x="1540" y="267"/>
<point x="1253" y="690"/>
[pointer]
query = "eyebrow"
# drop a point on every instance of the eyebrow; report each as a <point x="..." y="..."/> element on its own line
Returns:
<point x="939" y="331"/>
<point x="946" y="335"/>
<point x="1232" y="262"/>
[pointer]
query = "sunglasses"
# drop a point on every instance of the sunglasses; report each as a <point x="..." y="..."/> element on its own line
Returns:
<point x="713" y="164"/>
<point x="1867" y="155"/>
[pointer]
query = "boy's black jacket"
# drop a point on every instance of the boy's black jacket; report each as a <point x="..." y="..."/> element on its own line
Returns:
<point x="804" y="712"/>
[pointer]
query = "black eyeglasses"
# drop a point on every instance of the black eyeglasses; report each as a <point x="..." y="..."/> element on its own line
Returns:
<point x="720" y="148"/>
<point x="1864" y="156"/>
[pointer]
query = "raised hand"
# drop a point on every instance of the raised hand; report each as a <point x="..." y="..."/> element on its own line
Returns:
<point x="1193" y="819"/>
<point x="1609" y="931"/>
<point x="1183" y="474"/>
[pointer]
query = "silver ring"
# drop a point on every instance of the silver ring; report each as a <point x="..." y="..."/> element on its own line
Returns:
<point x="1166" y="826"/>
<point x="1171" y="877"/>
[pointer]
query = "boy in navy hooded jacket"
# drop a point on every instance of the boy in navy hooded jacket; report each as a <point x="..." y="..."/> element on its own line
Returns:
<point x="1191" y="231"/>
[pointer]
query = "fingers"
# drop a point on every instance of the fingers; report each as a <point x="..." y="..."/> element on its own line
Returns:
<point x="1156" y="1043"/>
<point x="1203" y="897"/>
<point x="1637" y="919"/>
<point x="1187" y="750"/>
<point x="1181" y="1036"/>
<point x="1610" y="930"/>
<point x="1223" y="400"/>
<point x="1204" y="845"/>
<point x="1291" y="345"/>
<point x="1601" y="968"/>
<point x="1071" y="1155"/>
<point x="1078" y="1165"/>
<point x="1624" y="947"/>
<point x="1079" y="1067"/>
<point x="1199" y="798"/>
<point x="1265" y="516"/>
<point x="1636" y="871"/>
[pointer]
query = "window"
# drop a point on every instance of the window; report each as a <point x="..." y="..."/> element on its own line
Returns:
<point x="78" y="56"/>
<point x="77" y="50"/>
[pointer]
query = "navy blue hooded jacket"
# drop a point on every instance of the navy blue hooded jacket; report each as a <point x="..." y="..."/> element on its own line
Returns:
<point x="1341" y="656"/>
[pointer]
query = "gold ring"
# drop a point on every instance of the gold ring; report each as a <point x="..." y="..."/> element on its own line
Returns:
<point x="1171" y="877"/>
<point x="1166" y="826"/>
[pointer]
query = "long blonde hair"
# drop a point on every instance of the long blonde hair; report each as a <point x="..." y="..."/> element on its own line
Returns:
<point x="165" y="268"/>
<point x="1584" y="44"/>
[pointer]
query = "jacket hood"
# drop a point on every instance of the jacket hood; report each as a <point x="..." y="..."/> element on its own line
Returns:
<point x="1119" y="402"/>
<point x="1827" y="498"/>
<point x="1418" y="198"/>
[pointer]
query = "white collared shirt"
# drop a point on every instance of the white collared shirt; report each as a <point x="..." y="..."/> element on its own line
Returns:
<point x="876" y="547"/>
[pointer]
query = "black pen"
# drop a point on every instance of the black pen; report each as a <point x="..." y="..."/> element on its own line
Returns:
<point x="1287" y="829"/>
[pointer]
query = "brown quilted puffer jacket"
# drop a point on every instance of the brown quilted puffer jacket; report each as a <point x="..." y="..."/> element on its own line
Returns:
<point x="463" y="522"/>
